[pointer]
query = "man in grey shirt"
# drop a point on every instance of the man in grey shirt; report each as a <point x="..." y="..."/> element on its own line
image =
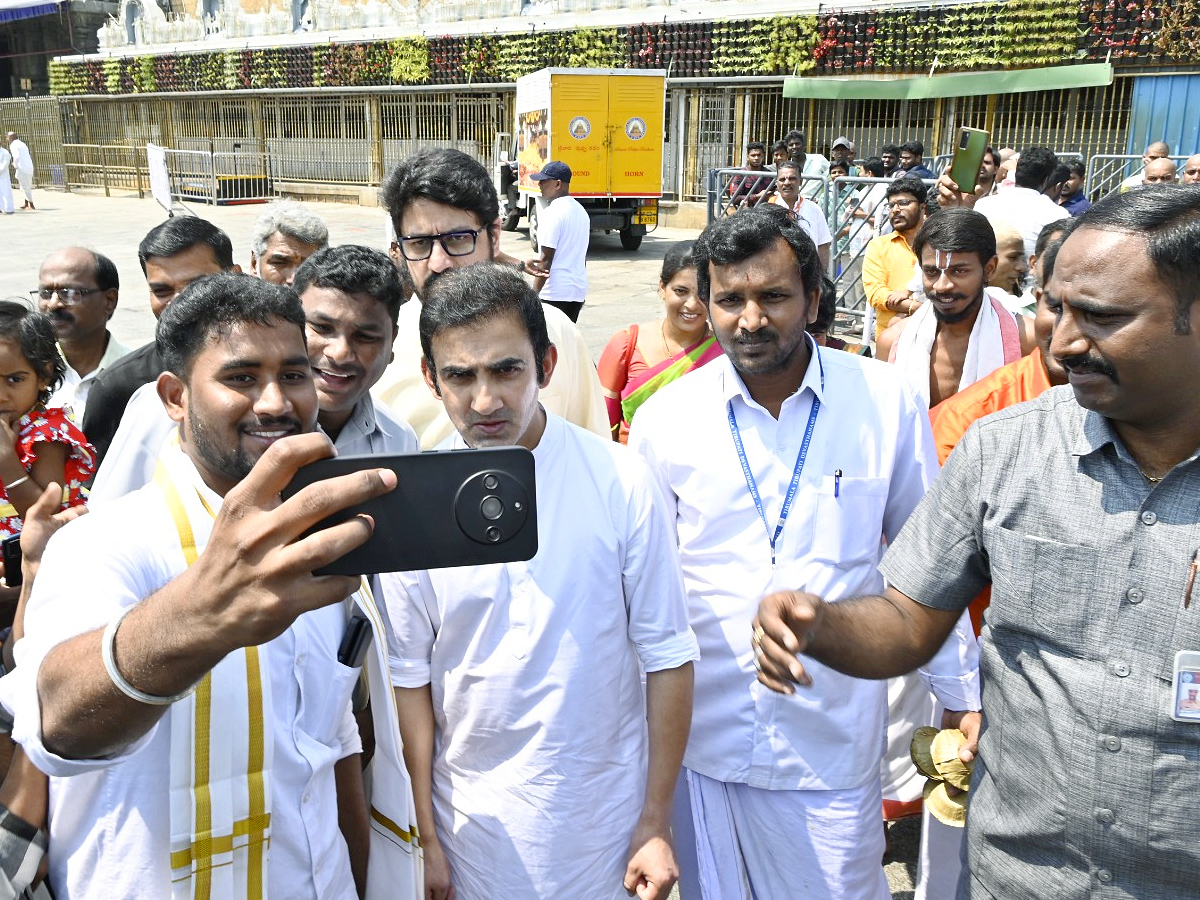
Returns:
<point x="1081" y="509"/>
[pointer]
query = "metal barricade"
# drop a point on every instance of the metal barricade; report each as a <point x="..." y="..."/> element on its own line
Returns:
<point x="854" y="201"/>
<point x="243" y="177"/>
<point x="192" y="175"/>
<point x="106" y="166"/>
<point x="728" y="191"/>
<point x="1107" y="171"/>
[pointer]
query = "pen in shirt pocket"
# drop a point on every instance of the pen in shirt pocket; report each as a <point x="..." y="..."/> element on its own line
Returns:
<point x="1191" y="581"/>
<point x="837" y="483"/>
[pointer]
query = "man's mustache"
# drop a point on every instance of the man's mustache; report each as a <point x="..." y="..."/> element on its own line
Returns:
<point x="1085" y="363"/>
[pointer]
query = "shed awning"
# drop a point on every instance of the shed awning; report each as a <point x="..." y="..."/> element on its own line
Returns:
<point x="956" y="84"/>
<point x="12" y="10"/>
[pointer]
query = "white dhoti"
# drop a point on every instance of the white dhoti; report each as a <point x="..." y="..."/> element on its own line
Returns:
<point x="25" y="179"/>
<point x="939" y="859"/>
<point x="910" y="705"/>
<point x="756" y="844"/>
<point x="6" y="195"/>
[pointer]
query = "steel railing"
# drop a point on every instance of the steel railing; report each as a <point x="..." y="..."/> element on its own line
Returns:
<point x="105" y="166"/>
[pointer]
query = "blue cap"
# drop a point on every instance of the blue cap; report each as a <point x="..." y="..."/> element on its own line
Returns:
<point x="556" y="170"/>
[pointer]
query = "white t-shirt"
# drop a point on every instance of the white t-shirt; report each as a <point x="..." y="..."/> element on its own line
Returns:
<point x="565" y="225"/>
<point x="535" y="667"/>
<point x="1025" y="209"/>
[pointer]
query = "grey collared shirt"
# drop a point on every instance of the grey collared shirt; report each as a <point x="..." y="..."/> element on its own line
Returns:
<point x="1087" y="787"/>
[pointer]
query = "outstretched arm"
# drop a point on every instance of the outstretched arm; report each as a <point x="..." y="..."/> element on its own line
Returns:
<point x="250" y="583"/>
<point x="868" y="637"/>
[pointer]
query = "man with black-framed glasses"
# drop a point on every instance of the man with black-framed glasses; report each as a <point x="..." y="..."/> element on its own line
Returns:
<point x="445" y="215"/>
<point x="78" y="290"/>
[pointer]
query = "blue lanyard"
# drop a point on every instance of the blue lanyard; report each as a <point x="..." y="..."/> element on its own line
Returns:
<point x="800" y="458"/>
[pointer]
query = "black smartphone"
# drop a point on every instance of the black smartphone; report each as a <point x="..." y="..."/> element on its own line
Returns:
<point x="449" y="508"/>
<point x="11" y="550"/>
<point x="968" y="157"/>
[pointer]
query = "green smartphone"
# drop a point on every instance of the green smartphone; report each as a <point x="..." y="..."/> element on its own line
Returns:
<point x="968" y="157"/>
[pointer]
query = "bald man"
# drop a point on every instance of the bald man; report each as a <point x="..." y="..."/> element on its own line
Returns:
<point x="1191" y="170"/>
<point x="1160" y="171"/>
<point x="1155" y="150"/>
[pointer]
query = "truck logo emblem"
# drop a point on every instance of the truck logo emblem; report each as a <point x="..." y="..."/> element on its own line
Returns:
<point x="635" y="129"/>
<point x="580" y="128"/>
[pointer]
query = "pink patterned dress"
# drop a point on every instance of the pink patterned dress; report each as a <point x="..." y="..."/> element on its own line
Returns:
<point x="50" y="426"/>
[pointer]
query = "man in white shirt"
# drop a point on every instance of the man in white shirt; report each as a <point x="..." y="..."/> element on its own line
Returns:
<point x="563" y="233"/>
<point x="1024" y="206"/>
<point x="810" y="461"/>
<point x="179" y="677"/>
<point x="1154" y="150"/>
<point x="541" y="767"/>
<point x="78" y="290"/>
<point x="807" y="213"/>
<point x="351" y="297"/>
<point x="446" y="215"/>
<point x="22" y="163"/>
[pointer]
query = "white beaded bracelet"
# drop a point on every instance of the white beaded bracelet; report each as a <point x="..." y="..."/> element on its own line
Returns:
<point x="17" y="483"/>
<point x="110" y="666"/>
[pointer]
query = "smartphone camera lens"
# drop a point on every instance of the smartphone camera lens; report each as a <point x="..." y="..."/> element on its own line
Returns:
<point x="491" y="482"/>
<point x="492" y="507"/>
<point x="492" y="534"/>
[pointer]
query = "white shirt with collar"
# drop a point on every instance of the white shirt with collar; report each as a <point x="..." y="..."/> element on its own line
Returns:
<point x="109" y="818"/>
<point x="536" y="674"/>
<point x="870" y="461"/>
<point x="133" y="453"/>
<point x="72" y="394"/>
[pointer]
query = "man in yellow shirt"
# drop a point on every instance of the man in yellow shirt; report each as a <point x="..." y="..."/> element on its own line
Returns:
<point x="889" y="262"/>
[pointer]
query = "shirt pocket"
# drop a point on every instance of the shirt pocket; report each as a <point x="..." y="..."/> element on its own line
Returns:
<point x="847" y="523"/>
<point x="327" y="692"/>
<point x="1043" y="587"/>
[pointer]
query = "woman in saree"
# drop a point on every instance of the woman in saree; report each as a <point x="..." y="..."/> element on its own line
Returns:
<point x="642" y="358"/>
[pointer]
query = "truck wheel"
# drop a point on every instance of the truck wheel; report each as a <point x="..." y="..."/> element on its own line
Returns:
<point x="533" y="226"/>
<point x="630" y="240"/>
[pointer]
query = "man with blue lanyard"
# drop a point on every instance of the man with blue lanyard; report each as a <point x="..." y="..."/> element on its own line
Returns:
<point x="785" y="466"/>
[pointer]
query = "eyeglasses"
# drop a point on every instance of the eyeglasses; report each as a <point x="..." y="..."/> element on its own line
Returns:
<point x="66" y="295"/>
<point x="900" y="204"/>
<point x="455" y="243"/>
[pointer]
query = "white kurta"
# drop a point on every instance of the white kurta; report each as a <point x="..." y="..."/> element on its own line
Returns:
<point x="110" y="820"/>
<point x="535" y="668"/>
<point x="573" y="393"/>
<point x="133" y="453"/>
<point x="6" y="194"/>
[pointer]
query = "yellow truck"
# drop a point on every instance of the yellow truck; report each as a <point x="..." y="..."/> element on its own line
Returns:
<point x="607" y="125"/>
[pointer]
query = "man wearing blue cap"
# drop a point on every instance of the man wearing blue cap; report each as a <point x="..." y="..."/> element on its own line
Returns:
<point x="563" y="231"/>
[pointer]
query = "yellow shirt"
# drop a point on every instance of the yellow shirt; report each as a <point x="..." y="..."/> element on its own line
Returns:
<point x="887" y="266"/>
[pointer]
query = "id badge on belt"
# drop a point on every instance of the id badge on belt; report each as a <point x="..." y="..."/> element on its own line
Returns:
<point x="1185" y="703"/>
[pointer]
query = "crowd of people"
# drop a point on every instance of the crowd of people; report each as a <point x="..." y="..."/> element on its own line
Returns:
<point x="710" y="671"/>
